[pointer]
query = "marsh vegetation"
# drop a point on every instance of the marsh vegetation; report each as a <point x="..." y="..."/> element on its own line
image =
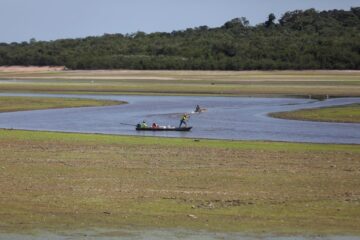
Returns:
<point x="345" y="114"/>
<point x="12" y="104"/>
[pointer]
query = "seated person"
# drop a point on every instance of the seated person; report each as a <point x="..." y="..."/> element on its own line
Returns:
<point x="143" y="124"/>
<point x="197" y="109"/>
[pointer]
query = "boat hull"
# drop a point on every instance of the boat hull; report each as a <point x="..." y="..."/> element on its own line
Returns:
<point x="200" y="110"/>
<point x="182" y="129"/>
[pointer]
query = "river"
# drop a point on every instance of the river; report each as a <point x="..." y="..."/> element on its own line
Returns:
<point x="235" y="118"/>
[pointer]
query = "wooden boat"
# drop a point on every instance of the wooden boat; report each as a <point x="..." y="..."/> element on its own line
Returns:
<point x="164" y="128"/>
<point x="199" y="110"/>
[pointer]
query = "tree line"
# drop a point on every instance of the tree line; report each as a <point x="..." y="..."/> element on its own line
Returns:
<point x="301" y="39"/>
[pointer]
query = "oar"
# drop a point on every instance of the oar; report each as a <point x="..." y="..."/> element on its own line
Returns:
<point x="128" y="124"/>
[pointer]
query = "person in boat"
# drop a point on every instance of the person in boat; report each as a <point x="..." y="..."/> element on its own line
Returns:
<point x="183" y="120"/>
<point x="197" y="109"/>
<point x="143" y="124"/>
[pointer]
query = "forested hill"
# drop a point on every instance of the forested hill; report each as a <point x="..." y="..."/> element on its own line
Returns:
<point x="298" y="40"/>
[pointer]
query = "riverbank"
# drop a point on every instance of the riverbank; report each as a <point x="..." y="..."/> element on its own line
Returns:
<point x="58" y="181"/>
<point x="308" y="84"/>
<point x="343" y="114"/>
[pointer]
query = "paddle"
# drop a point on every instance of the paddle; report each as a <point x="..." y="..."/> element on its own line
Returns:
<point x="128" y="124"/>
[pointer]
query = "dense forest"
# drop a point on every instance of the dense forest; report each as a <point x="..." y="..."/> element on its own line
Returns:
<point x="298" y="40"/>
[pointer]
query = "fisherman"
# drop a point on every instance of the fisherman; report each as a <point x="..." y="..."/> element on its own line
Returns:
<point x="183" y="120"/>
<point x="197" y="109"/>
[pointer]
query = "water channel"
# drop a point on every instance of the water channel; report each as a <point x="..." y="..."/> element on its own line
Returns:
<point x="235" y="118"/>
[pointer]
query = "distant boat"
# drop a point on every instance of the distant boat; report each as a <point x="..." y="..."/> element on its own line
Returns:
<point x="164" y="128"/>
<point x="199" y="110"/>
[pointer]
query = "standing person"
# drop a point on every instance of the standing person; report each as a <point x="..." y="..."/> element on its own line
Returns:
<point x="183" y="120"/>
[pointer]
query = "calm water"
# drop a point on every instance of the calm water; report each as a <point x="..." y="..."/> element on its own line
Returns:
<point x="238" y="118"/>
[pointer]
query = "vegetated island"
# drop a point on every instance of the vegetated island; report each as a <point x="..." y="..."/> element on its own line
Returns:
<point x="298" y="40"/>
<point x="12" y="104"/>
<point x="345" y="114"/>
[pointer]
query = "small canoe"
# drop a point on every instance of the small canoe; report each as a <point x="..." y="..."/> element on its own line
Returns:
<point x="200" y="110"/>
<point x="164" y="128"/>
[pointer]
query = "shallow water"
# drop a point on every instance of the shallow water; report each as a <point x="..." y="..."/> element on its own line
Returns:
<point x="238" y="118"/>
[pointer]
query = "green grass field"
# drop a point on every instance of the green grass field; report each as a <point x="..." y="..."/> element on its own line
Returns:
<point x="346" y="113"/>
<point x="58" y="181"/>
<point x="315" y="84"/>
<point x="11" y="104"/>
